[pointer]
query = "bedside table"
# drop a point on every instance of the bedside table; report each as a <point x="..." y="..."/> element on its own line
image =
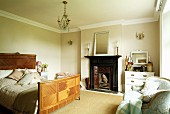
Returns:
<point x="44" y="75"/>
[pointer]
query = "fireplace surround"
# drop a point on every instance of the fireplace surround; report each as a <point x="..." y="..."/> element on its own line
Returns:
<point x="104" y="73"/>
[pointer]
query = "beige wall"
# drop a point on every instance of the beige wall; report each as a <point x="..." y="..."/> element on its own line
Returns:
<point x="52" y="48"/>
<point x="23" y="38"/>
<point x="70" y="54"/>
<point x="126" y="37"/>
<point x="150" y="42"/>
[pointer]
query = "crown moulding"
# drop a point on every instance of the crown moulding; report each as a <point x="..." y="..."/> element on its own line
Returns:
<point x="109" y="23"/>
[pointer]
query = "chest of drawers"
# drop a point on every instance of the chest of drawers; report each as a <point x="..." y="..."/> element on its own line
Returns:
<point x="135" y="79"/>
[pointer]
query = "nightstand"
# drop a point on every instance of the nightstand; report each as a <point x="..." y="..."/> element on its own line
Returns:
<point x="44" y="75"/>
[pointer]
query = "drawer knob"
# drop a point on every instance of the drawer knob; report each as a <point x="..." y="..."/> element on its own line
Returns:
<point x="132" y="74"/>
<point x="132" y="81"/>
<point x="144" y="75"/>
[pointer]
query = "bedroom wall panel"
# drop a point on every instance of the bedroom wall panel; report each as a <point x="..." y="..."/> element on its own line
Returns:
<point x="26" y="39"/>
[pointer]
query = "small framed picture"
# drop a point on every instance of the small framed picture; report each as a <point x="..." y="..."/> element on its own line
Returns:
<point x="141" y="60"/>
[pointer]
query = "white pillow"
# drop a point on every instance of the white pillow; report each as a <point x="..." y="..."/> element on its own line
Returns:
<point x="26" y="79"/>
<point x="149" y="90"/>
<point x="150" y="86"/>
<point x="5" y="73"/>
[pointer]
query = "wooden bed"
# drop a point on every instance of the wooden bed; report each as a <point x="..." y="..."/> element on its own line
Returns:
<point x="52" y="94"/>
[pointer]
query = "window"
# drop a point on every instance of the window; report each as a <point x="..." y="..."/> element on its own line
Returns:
<point x="165" y="41"/>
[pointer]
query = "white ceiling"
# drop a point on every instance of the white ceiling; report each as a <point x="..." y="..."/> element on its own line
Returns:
<point x="81" y="12"/>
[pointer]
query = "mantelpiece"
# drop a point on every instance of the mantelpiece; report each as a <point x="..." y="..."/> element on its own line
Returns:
<point x="104" y="67"/>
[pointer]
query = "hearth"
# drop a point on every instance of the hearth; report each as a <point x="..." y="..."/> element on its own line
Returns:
<point x="104" y="73"/>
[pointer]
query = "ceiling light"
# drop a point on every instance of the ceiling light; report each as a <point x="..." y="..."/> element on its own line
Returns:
<point x="64" y="22"/>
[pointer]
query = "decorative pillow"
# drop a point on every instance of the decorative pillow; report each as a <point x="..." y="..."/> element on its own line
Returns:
<point x="25" y="71"/>
<point x="5" y="73"/>
<point x="150" y="86"/>
<point x="26" y="79"/>
<point x="16" y="75"/>
<point x="148" y="95"/>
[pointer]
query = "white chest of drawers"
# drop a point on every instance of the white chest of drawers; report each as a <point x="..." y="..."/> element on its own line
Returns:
<point x="135" y="79"/>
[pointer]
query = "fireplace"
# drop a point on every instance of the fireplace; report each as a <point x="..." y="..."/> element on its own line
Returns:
<point x="104" y="73"/>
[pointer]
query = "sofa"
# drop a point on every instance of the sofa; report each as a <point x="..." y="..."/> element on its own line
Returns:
<point x="154" y="94"/>
<point x="151" y="98"/>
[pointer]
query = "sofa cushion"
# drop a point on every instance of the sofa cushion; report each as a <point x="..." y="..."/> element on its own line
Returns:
<point x="150" y="86"/>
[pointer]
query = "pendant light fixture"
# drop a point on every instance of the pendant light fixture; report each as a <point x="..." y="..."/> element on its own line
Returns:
<point x="65" y="21"/>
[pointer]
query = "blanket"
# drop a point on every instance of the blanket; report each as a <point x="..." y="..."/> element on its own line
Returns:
<point x="130" y="107"/>
<point x="25" y="103"/>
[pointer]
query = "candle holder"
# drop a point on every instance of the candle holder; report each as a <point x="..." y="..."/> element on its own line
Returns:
<point x="87" y="52"/>
<point x="88" y="49"/>
<point x="117" y="50"/>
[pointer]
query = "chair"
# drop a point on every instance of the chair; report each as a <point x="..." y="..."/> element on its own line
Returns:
<point x="155" y="96"/>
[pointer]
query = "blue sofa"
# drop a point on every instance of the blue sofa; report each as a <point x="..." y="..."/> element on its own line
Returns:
<point x="154" y="94"/>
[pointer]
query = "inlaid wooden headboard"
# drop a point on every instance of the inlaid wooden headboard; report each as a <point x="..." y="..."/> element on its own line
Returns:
<point x="16" y="60"/>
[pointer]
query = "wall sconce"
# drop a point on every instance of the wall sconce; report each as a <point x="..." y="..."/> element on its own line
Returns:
<point x="88" y="49"/>
<point x="140" y="35"/>
<point x="70" y="42"/>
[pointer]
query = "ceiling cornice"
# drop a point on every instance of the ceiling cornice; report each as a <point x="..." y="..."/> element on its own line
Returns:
<point x="109" y="23"/>
<point x="139" y="21"/>
<point x="71" y="30"/>
<point x="27" y="21"/>
<point x="119" y="22"/>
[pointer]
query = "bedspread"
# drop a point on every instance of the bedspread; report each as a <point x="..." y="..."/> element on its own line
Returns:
<point x="9" y="93"/>
<point x="25" y="102"/>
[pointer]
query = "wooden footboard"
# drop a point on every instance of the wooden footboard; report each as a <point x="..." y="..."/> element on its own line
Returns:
<point x="55" y="94"/>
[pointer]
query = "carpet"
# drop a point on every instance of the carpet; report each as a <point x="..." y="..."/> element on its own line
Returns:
<point x="92" y="103"/>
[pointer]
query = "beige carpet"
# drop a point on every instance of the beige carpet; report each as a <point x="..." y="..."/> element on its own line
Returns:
<point x="92" y="103"/>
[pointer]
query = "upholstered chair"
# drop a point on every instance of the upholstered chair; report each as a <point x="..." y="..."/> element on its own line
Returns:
<point x="155" y="96"/>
